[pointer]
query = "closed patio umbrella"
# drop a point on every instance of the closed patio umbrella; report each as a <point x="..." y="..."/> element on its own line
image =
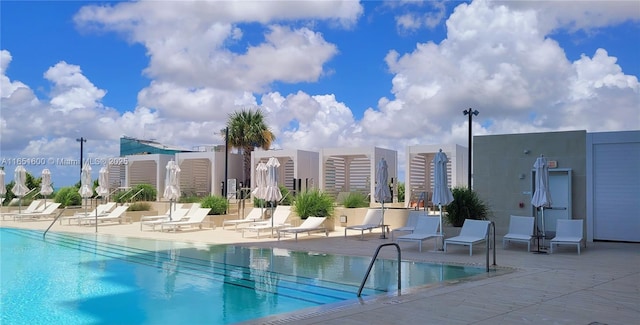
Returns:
<point x="261" y="182"/>
<point x="272" y="191"/>
<point x="45" y="185"/>
<point x="86" y="186"/>
<point x="103" y="183"/>
<point x="441" y="192"/>
<point x="3" y="188"/>
<point x="541" y="196"/>
<point x="20" y="188"/>
<point x="172" y="184"/>
<point x="382" y="192"/>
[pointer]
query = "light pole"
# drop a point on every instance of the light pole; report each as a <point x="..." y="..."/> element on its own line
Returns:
<point x="82" y="141"/>
<point x="471" y="113"/>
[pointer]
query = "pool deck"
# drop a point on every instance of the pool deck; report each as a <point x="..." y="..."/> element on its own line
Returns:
<point x="600" y="286"/>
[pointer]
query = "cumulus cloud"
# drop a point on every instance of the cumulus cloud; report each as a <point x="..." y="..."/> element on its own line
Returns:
<point x="497" y="57"/>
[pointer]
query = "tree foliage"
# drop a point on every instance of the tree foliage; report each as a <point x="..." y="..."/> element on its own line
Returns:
<point x="247" y="131"/>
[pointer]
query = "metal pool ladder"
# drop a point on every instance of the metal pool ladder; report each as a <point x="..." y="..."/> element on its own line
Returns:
<point x="373" y="260"/>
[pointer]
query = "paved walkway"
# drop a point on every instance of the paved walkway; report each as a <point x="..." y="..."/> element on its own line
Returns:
<point x="600" y="286"/>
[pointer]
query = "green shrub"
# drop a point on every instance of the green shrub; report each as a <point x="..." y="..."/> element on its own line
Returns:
<point x="401" y="192"/>
<point x="140" y="206"/>
<point x="148" y="193"/>
<point x="287" y="197"/>
<point x="466" y="205"/>
<point x="190" y="199"/>
<point x="68" y="196"/>
<point x="217" y="204"/>
<point x="355" y="200"/>
<point x="313" y="203"/>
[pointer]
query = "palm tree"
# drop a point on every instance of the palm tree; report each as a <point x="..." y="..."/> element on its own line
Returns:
<point x="247" y="130"/>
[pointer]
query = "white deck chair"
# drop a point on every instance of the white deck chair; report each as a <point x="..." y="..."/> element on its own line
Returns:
<point x="472" y="232"/>
<point x="569" y="232"/>
<point x="31" y="208"/>
<point x="410" y="225"/>
<point x="195" y="219"/>
<point x="49" y="211"/>
<point x="520" y="230"/>
<point x="280" y="217"/>
<point x="373" y="219"/>
<point x="115" y="214"/>
<point x="254" y="215"/>
<point x="310" y="224"/>
<point x="100" y="210"/>
<point x="173" y="208"/>
<point x="426" y="228"/>
<point x="176" y="215"/>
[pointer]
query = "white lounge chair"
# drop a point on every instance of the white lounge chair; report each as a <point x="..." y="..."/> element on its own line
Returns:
<point x="280" y="216"/>
<point x="47" y="212"/>
<point x="35" y="206"/>
<point x="115" y="214"/>
<point x="176" y="215"/>
<point x="472" y="232"/>
<point x="373" y="219"/>
<point x="310" y="224"/>
<point x="410" y="225"/>
<point x="426" y="228"/>
<point x="173" y="208"/>
<point x="195" y="219"/>
<point x="568" y="232"/>
<point x="100" y="210"/>
<point x="520" y="230"/>
<point x="254" y="215"/>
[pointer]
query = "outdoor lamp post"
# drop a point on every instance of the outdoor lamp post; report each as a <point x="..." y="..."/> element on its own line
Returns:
<point x="82" y="141"/>
<point x="471" y="113"/>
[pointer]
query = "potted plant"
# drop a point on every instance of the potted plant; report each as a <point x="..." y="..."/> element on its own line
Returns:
<point x="466" y="205"/>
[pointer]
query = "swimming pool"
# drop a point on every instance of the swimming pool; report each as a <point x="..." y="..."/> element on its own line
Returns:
<point x="100" y="279"/>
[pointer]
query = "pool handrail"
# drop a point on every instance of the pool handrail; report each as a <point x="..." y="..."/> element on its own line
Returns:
<point x="54" y="221"/>
<point x="373" y="260"/>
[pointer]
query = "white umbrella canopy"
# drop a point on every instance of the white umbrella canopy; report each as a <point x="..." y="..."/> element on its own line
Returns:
<point x="261" y="181"/>
<point x="86" y="186"/>
<point x="541" y="196"/>
<point x="103" y="182"/>
<point x="3" y="188"/>
<point x="382" y="192"/>
<point x="20" y="188"/>
<point x="45" y="185"/>
<point x="441" y="192"/>
<point x="272" y="191"/>
<point x="172" y="183"/>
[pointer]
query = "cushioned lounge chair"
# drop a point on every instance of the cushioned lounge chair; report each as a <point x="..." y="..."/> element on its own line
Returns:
<point x="173" y="207"/>
<point x="426" y="228"/>
<point x="568" y="232"/>
<point x="254" y="215"/>
<point x="280" y="217"/>
<point x="100" y="210"/>
<point x="49" y="211"/>
<point x="310" y="224"/>
<point x="373" y="219"/>
<point x="176" y="215"/>
<point x="410" y="225"/>
<point x="117" y="214"/>
<point x="35" y="206"/>
<point x="472" y="232"/>
<point x="195" y="219"/>
<point x="520" y="230"/>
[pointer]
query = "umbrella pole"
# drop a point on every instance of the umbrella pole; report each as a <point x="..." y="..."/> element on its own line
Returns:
<point x="96" y="219"/>
<point x="383" y="233"/>
<point x="538" y="232"/>
<point x="273" y="208"/>
<point x="544" y="234"/>
<point x="441" y="228"/>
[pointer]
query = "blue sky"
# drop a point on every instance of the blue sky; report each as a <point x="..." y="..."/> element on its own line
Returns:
<point x="326" y="73"/>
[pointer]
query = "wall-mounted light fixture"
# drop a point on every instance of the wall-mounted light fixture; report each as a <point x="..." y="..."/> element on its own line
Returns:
<point x="522" y="176"/>
<point x="527" y="151"/>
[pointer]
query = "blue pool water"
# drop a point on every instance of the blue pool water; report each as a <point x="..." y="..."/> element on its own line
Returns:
<point x="94" y="279"/>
